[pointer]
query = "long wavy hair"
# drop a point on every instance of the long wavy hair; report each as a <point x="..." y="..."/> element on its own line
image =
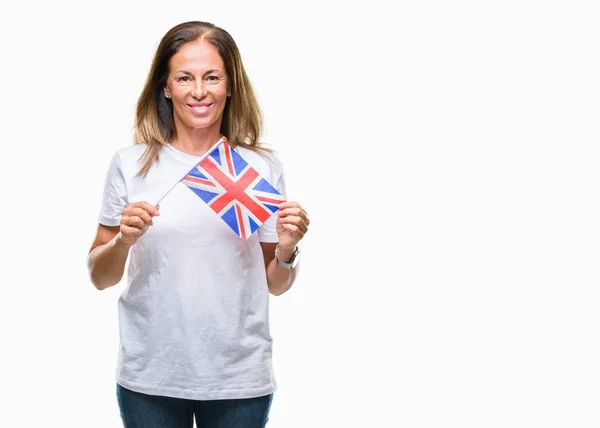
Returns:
<point x="154" y="123"/>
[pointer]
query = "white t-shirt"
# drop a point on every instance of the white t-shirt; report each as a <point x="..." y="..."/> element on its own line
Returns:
<point x="194" y="317"/>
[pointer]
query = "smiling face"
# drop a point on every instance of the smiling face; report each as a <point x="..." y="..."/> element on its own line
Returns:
<point x="197" y="86"/>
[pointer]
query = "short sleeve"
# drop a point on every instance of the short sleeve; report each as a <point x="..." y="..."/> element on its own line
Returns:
<point x="267" y="232"/>
<point x="114" y="198"/>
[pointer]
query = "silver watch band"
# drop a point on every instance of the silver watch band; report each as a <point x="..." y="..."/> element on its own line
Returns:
<point x="293" y="261"/>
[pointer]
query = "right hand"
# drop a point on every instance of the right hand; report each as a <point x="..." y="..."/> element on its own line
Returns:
<point x="135" y="220"/>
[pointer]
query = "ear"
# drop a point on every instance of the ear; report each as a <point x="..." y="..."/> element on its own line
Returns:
<point x="166" y="92"/>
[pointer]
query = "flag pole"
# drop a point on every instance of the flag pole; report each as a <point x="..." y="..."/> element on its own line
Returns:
<point x="208" y="152"/>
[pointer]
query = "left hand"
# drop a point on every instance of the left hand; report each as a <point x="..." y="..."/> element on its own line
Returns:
<point x="292" y="224"/>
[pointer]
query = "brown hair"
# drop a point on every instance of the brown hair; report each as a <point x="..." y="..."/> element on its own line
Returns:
<point x="154" y="123"/>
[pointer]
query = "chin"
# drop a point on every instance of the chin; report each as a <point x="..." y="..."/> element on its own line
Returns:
<point x="199" y="123"/>
<point x="205" y="123"/>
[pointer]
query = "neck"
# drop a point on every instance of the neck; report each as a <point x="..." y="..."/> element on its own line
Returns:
<point x="196" y="141"/>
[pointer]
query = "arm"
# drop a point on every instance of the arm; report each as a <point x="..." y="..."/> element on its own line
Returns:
<point x="279" y="279"/>
<point x="292" y="224"/>
<point x="107" y="257"/>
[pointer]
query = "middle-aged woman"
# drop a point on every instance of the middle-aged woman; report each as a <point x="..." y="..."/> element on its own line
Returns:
<point x="193" y="318"/>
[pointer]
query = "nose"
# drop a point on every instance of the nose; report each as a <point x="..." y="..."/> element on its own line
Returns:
<point x="198" y="89"/>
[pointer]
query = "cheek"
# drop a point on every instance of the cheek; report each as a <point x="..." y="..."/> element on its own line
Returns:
<point x="221" y="94"/>
<point x="178" y="93"/>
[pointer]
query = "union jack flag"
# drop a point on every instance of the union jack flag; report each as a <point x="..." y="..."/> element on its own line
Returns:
<point x="233" y="189"/>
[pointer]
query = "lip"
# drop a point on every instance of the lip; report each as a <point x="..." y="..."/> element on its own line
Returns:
<point x="204" y="108"/>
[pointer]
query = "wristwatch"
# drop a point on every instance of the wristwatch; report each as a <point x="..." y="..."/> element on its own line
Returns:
<point x="293" y="261"/>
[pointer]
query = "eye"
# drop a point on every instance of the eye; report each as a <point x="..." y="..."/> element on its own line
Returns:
<point x="212" y="78"/>
<point x="183" y="79"/>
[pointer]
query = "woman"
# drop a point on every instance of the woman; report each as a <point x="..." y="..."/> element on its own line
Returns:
<point x="194" y="327"/>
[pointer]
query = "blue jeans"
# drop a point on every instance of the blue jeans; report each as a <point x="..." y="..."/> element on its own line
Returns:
<point x="153" y="411"/>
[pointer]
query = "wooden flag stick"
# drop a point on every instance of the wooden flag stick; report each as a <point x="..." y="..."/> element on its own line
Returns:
<point x="208" y="152"/>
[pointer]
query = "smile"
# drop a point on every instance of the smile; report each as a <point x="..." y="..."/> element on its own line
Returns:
<point x="200" y="108"/>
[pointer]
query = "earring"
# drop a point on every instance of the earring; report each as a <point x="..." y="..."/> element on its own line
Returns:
<point x="167" y="96"/>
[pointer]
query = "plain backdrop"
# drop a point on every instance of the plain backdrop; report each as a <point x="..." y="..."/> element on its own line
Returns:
<point x="446" y="152"/>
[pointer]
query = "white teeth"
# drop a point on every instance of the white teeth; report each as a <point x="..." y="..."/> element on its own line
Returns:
<point x="200" y="108"/>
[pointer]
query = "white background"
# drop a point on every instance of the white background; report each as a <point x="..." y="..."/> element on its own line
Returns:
<point x="447" y="154"/>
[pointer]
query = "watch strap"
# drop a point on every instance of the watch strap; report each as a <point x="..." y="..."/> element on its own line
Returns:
<point x="293" y="261"/>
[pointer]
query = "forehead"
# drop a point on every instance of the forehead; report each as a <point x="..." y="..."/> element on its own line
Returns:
<point x="197" y="55"/>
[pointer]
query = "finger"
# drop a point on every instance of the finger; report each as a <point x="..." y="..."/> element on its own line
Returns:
<point x="294" y="229"/>
<point x="298" y="211"/>
<point x="292" y="211"/>
<point x="288" y="204"/>
<point x="134" y="221"/>
<point x="133" y="211"/>
<point x="131" y="231"/>
<point x="296" y="221"/>
<point x="295" y="212"/>
<point x="139" y="212"/>
<point x="150" y="209"/>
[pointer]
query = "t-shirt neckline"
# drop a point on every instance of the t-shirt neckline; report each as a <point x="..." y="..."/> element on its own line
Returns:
<point x="194" y="157"/>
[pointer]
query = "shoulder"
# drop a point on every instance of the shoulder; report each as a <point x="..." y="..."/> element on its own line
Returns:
<point x="127" y="159"/>
<point x="130" y="154"/>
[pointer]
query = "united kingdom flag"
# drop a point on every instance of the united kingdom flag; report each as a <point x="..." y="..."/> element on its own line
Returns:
<point x="233" y="189"/>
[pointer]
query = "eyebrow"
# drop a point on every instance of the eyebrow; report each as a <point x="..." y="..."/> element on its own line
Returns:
<point x="208" y="72"/>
